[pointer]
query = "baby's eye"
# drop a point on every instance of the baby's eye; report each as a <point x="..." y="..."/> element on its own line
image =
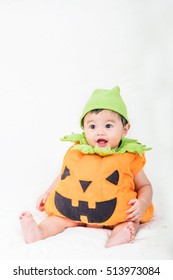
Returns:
<point x="108" y="125"/>
<point x="92" y="126"/>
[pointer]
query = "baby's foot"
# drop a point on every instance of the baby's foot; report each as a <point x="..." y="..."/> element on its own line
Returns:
<point x="30" y="229"/>
<point x="124" y="235"/>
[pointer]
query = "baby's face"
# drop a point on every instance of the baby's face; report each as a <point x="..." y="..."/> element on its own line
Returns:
<point x="104" y="129"/>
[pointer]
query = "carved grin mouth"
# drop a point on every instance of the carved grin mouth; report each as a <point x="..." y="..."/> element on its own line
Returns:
<point x="102" y="212"/>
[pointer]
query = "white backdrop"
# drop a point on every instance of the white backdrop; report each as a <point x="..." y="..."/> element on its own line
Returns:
<point x="53" y="54"/>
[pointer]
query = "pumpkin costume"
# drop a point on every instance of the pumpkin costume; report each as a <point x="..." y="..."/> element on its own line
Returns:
<point x="96" y="188"/>
<point x="97" y="184"/>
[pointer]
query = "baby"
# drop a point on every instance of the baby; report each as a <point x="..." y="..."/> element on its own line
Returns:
<point x="102" y="183"/>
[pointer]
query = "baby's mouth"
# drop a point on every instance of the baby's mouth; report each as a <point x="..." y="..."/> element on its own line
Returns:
<point x="102" y="142"/>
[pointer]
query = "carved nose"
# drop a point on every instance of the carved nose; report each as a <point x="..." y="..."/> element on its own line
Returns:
<point x="84" y="184"/>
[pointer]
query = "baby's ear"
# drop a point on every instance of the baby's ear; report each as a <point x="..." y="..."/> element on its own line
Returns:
<point x="126" y="129"/>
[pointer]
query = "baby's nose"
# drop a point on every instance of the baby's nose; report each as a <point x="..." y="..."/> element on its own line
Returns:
<point x="100" y="131"/>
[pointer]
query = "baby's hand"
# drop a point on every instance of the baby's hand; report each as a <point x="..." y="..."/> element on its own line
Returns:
<point x="136" y="211"/>
<point x="41" y="201"/>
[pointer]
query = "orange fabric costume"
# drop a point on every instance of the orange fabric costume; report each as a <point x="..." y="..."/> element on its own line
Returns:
<point x="95" y="189"/>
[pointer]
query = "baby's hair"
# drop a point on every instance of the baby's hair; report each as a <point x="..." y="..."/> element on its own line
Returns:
<point x="96" y="111"/>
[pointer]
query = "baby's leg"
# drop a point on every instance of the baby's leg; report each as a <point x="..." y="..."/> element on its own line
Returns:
<point x="122" y="233"/>
<point x="52" y="225"/>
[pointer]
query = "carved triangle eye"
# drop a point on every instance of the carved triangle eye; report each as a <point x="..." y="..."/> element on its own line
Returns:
<point x="85" y="184"/>
<point x="113" y="178"/>
<point x="65" y="173"/>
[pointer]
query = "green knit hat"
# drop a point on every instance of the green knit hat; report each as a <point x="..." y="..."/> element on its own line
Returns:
<point x="105" y="99"/>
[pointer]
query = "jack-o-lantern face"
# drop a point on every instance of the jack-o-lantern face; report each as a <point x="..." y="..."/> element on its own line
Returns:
<point x="95" y="189"/>
<point x="103" y="210"/>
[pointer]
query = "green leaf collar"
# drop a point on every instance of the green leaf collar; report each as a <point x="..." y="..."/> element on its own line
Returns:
<point x="126" y="145"/>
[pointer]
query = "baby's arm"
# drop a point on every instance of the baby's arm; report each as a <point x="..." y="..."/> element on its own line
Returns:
<point x="144" y="196"/>
<point x="42" y="199"/>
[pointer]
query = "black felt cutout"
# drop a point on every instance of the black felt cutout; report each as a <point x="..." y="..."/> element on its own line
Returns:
<point x="113" y="178"/>
<point x="65" y="173"/>
<point x="84" y="184"/>
<point x="100" y="214"/>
